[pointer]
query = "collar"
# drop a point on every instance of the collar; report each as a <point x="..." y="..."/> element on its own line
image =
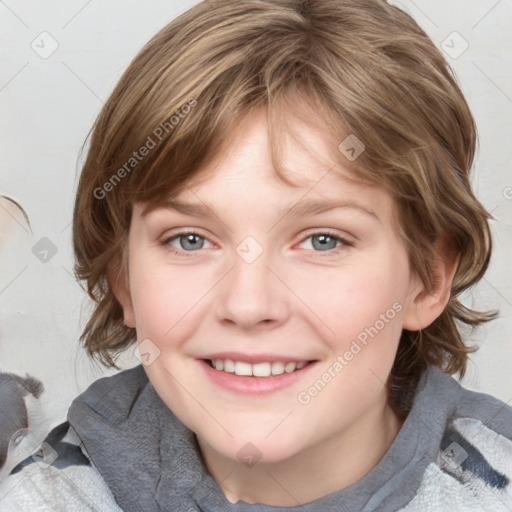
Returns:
<point x="152" y="462"/>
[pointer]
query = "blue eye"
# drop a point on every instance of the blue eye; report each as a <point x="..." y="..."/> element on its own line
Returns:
<point x="325" y="241"/>
<point x="188" y="241"/>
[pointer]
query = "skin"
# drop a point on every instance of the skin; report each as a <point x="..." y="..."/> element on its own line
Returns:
<point x="296" y="298"/>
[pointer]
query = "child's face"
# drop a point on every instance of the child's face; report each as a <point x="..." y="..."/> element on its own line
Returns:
<point x="339" y="305"/>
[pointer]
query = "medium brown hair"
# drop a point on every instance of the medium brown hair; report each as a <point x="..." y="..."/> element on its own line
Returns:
<point x="366" y="67"/>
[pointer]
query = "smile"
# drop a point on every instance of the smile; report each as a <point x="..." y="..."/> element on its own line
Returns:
<point x="263" y="369"/>
<point x="257" y="377"/>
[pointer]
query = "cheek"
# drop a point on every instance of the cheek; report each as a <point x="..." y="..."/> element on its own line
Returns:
<point x="165" y="299"/>
<point x="363" y="303"/>
<point x="364" y="313"/>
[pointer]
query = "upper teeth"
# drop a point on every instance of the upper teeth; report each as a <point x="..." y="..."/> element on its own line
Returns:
<point x="258" y="369"/>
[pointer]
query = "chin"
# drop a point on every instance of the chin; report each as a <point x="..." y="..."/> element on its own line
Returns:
<point x="252" y="449"/>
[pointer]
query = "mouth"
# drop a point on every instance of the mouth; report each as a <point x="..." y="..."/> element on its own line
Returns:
<point x="262" y="369"/>
<point x="259" y="376"/>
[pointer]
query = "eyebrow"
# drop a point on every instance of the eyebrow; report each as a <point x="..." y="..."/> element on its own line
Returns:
<point x="296" y="210"/>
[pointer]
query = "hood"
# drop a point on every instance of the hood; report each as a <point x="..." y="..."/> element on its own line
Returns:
<point x="136" y="443"/>
<point x="152" y="463"/>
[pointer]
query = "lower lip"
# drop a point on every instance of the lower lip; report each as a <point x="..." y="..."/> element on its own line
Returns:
<point x="254" y="385"/>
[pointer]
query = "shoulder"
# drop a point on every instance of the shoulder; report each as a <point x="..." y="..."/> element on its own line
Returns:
<point x="473" y="467"/>
<point x="58" y="473"/>
<point x="474" y="414"/>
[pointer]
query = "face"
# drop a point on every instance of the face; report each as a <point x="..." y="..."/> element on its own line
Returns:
<point x="310" y="284"/>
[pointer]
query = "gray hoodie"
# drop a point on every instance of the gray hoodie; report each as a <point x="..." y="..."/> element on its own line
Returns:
<point x="123" y="449"/>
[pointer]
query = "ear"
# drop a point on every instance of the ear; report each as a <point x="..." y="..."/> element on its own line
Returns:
<point x="122" y="294"/>
<point x="119" y="283"/>
<point x="428" y="304"/>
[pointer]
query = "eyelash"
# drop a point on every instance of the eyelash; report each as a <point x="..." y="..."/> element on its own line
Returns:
<point x="345" y="243"/>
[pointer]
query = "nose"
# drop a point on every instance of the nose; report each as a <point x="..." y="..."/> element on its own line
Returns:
<point x="252" y="295"/>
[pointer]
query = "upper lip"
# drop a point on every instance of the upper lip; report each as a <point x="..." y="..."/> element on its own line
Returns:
<point x="254" y="358"/>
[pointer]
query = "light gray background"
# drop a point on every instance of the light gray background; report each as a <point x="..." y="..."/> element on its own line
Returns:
<point x="49" y="104"/>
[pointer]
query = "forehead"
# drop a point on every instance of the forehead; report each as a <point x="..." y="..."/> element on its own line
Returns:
<point x="244" y="173"/>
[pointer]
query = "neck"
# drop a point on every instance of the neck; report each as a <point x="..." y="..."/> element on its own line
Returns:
<point x="332" y="464"/>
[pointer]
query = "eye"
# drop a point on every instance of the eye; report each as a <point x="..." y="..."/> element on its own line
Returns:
<point x="185" y="241"/>
<point x="325" y="241"/>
